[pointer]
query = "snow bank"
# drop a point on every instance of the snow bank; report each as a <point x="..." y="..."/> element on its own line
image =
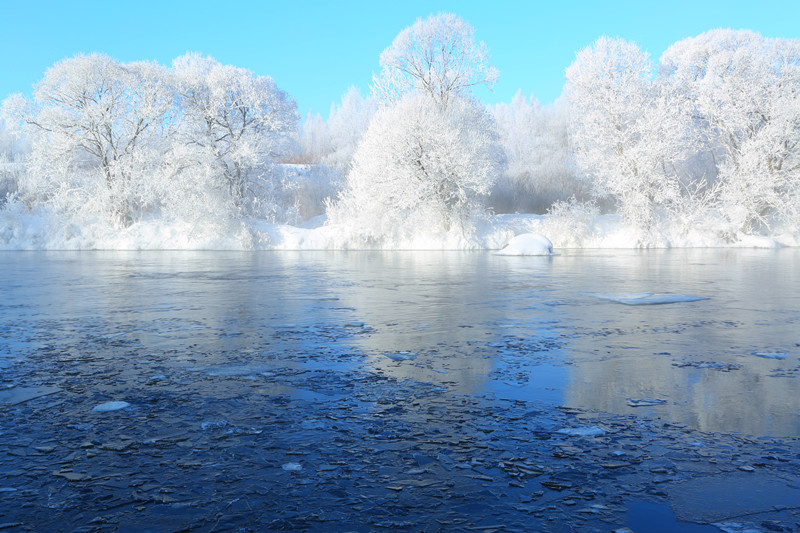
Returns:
<point x="43" y="229"/>
<point x="528" y="244"/>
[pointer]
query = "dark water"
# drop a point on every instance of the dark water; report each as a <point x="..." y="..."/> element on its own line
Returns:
<point x="399" y="390"/>
<point x="522" y="328"/>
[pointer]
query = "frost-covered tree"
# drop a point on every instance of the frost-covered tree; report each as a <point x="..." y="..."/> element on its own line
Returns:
<point x="12" y="149"/>
<point x="314" y="140"/>
<point x="235" y="125"/>
<point x="536" y="142"/>
<point x="439" y="57"/>
<point x="347" y="124"/>
<point x="431" y="154"/>
<point x="332" y="142"/>
<point x="420" y="167"/>
<point x="621" y="129"/>
<point x="328" y="147"/>
<point x="97" y="128"/>
<point x="743" y="93"/>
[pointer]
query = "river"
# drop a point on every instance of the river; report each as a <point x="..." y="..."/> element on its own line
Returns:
<point x="706" y="340"/>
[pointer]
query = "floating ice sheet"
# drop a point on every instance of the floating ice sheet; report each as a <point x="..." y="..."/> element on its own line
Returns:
<point x="401" y="356"/>
<point x="110" y="406"/>
<point x="17" y="395"/>
<point x="644" y="298"/>
<point x="643" y="402"/>
<point x="771" y="355"/>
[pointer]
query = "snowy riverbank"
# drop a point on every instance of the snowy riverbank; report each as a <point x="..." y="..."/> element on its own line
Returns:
<point x="45" y="230"/>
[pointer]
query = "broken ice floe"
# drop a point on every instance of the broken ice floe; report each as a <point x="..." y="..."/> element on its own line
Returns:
<point x="234" y="370"/>
<point x="205" y="426"/>
<point x="110" y="406"/>
<point x="401" y="356"/>
<point x="736" y="527"/>
<point x="16" y="395"/>
<point x="642" y="402"/>
<point x="583" y="431"/>
<point x="722" y="367"/>
<point x="772" y="355"/>
<point x="644" y="298"/>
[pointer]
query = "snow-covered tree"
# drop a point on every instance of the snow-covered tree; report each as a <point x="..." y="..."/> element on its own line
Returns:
<point x="536" y="142"/>
<point x="347" y="124"/>
<point x="314" y="140"/>
<point x="438" y="56"/>
<point x="333" y="142"/>
<point x="420" y="166"/>
<point x="328" y="147"/>
<point x="12" y="148"/>
<point x="97" y="127"/>
<point x="743" y="92"/>
<point x="621" y="129"/>
<point x="235" y="125"/>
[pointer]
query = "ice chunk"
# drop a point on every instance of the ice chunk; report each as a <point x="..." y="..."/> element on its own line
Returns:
<point x="771" y="355"/>
<point x="528" y="244"/>
<point x="292" y="467"/>
<point x="110" y="406"/>
<point x="213" y="425"/>
<point x="642" y="402"/>
<point x="736" y="527"/>
<point x="644" y="298"/>
<point x="401" y="356"/>
<point x="583" y="431"/>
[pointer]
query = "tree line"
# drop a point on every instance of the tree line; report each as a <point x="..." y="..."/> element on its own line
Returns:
<point x="708" y="135"/>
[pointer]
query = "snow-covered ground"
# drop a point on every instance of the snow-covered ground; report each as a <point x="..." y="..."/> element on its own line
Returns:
<point x="21" y="229"/>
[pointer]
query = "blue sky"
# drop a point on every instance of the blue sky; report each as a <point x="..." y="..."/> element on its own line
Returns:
<point x="315" y="50"/>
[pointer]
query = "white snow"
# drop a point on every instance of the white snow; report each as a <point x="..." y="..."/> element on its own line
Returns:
<point x="528" y="244"/>
<point x="45" y="229"/>
<point x="110" y="406"/>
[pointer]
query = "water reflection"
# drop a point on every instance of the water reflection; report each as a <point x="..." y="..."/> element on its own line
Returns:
<point x="698" y="356"/>
<point x="473" y="323"/>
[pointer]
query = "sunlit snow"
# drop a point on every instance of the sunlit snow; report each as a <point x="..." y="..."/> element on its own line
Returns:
<point x="528" y="244"/>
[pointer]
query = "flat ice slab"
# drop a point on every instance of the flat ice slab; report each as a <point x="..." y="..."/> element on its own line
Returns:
<point x="110" y="406"/>
<point x="17" y="395"/>
<point x="644" y="298"/>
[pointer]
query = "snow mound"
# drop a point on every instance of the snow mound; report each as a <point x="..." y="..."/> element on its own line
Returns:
<point x="644" y="298"/>
<point x="528" y="244"/>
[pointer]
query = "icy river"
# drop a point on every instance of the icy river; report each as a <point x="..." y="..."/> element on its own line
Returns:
<point x="400" y="390"/>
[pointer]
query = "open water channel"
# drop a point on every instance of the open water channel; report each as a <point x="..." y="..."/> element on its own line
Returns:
<point x="384" y="391"/>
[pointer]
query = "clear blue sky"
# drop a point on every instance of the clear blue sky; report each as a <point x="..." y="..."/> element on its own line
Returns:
<point x="315" y="49"/>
